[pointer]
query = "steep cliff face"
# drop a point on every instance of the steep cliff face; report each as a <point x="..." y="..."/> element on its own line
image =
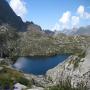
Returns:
<point x="7" y="15"/>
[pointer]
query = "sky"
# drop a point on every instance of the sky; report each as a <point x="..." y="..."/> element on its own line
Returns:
<point x="53" y="14"/>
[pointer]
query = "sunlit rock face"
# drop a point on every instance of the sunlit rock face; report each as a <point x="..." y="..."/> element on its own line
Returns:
<point x="77" y="72"/>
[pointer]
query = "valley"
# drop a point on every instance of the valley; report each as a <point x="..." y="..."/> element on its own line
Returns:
<point x="32" y="58"/>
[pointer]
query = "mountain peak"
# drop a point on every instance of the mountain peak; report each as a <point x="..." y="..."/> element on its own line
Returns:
<point x="7" y="15"/>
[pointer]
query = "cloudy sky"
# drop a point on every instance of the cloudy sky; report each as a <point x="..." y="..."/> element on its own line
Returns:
<point x="53" y="14"/>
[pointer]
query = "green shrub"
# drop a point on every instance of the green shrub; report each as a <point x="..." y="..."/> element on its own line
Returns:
<point x="23" y="81"/>
<point x="10" y="76"/>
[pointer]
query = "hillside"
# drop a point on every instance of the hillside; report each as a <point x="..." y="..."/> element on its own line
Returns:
<point x="7" y="15"/>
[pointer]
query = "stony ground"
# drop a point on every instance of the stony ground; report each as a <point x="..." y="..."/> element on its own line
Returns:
<point x="77" y="74"/>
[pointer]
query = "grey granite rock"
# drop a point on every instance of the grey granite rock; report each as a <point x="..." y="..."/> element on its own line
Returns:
<point x="78" y="74"/>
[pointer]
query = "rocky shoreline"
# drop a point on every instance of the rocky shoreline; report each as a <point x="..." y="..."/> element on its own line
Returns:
<point x="74" y="68"/>
<point x="67" y="69"/>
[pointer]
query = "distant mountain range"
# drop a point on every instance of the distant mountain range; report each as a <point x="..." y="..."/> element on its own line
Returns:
<point x="78" y="31"/>
<point x="83" y="31"/>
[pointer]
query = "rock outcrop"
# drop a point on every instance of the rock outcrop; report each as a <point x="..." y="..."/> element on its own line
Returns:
<point x="74" y="68"/>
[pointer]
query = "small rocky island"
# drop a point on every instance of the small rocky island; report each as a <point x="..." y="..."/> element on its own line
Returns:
<point x="24" y="39"/>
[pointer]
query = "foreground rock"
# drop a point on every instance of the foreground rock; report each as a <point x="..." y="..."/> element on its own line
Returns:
<point x="39" y="81"/>
<point x="74" y="68"/>
<point x="36" y="88"/>
<point x="19" y="86"/>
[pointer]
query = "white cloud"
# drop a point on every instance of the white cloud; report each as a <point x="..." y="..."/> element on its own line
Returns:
<point x="19" y="7"/>
<point x="83" y="14"/>
<point x="87" y="15"/>
<point x="63" y="21"/>
<point x="75" y="20"/>
<point x="81" y="10"/>
<point x="56" y="27"/>
<point x="65" y="18"/>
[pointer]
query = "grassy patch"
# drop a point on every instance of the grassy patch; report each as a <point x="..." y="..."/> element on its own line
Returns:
<point x="8" y="77"/>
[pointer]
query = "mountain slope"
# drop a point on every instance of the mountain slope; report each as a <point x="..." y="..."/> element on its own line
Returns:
<point x="83" y="31"/>
<point x="7" y="15"/>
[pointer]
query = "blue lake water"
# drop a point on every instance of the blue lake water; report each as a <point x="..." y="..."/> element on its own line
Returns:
<point x="38" y="65"/>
